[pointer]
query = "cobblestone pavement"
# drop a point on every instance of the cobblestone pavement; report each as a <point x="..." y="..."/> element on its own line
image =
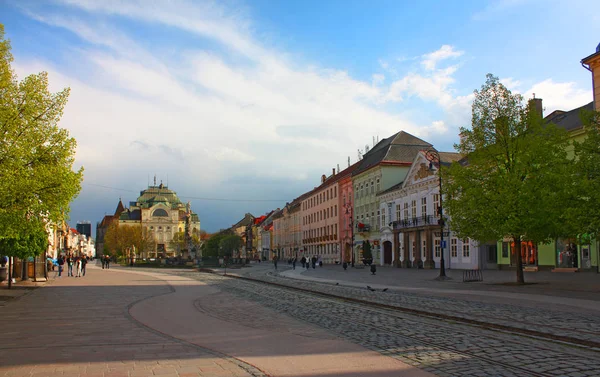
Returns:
<point x="82" y="327"/>
<point x="567" y="322"/>
<point x="442" y="347"/>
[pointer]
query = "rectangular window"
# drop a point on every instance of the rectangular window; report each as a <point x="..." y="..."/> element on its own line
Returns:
<point x="398" y="212"/>
<point x="383" y="218"/>
<point x="466" y="251"/>
<point x="335" y="210"/>
<point x="356" y="192"/>
<point x="504" y="249"/>
<point x="372" y="188"/>
<point x="378" y="186"/>
<point x="438" y="249"/>
<point x="406" y="211"/>
<point x="414" y="208"/>
<point x="424" y="206"/>
<point x="379" y="221"/>
<point x="335" y="192"/>
<point x="453" y="248"/>
<point x="423" y="249"/>
<point x="436" y="204"/>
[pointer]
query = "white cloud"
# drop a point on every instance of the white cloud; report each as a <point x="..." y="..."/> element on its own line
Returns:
<point x="445" y="52"/>
<point x="511" y="84"/>
<point x="205" y="116"/>
<point x="559" y="95"/>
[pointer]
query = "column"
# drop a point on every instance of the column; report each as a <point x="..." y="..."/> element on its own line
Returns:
<point x="430" y="263"/>
<point x="407" y="246"/>
<point x="417" y="248"/>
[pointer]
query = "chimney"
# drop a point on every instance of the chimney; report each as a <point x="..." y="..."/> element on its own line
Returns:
<point x="338" y="168"/>
<point x="332" y="171"/>
<point x="537" y="105"/>
<point x="592" y="64"/>
<point x="323" y="178"/>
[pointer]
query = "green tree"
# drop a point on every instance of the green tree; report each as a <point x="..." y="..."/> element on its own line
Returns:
<point x="178" y="242"/>
<point x="36" y="156"/>
<point x="514" y="181"/>
<point x="211" y="246"/>
<point x="229" y="244"/>
<point x="31" y="240"/>
<point x="583" y="216"/>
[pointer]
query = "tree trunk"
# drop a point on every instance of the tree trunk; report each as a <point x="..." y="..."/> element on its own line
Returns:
<point x="24" y="270"/>
<point x="520" y="276"/>
<point x="35" y="268"/>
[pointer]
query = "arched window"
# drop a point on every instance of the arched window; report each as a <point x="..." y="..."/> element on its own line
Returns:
<point x="160" y="213"/>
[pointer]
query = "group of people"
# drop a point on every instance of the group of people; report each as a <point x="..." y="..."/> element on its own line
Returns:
<point x="73" y="262"/>
<point x="105" y="262"/>
<point x="306" y="262"/>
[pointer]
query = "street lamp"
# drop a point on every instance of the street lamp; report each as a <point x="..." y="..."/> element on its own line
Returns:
<point x="433" y="155"/>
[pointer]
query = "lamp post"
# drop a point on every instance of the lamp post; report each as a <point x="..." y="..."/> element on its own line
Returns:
<point x="433" y="155"/>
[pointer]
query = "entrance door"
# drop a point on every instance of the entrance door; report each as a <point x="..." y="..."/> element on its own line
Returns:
<point x="387" y="252"/>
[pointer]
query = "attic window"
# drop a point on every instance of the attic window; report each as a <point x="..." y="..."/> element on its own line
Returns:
<point x="160" y="213"/>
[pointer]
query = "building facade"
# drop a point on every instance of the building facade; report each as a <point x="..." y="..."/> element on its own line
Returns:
<point x="159" y="212"/>
<point x="382" y="167"/>
<point x="410" y="213"/>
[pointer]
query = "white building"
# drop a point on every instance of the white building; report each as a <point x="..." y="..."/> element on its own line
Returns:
<point x="410" y="232"/>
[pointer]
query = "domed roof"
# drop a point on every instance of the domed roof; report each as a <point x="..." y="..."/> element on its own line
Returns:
<point x="159" y="199"/>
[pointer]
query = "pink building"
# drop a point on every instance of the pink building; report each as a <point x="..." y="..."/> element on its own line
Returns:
<point x="323" y="218"/>
<point x="345" y="215"/>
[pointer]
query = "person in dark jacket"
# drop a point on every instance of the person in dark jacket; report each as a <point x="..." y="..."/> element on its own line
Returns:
<point x="303" y="261"/>
<point x="83" y="264"/>
<point x="70" y="262"/>
<point x="61" y="263"/>
<point x="314" y="262"/>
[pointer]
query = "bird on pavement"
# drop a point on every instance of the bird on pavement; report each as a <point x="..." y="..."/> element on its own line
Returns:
<point x="371" y="289"/>
<point x="384" y="289"/>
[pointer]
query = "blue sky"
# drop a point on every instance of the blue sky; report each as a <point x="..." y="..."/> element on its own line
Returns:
<point x="255" y="100"/>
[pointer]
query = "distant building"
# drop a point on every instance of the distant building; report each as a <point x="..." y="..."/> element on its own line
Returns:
<point x="159" y="211"/>
<point x="84" y="228"/>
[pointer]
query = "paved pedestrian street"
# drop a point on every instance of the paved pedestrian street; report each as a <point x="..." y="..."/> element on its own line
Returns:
<point x="148" y="322"/>
<point x="82" y="327"/>
<point x="444" y="348"/>
<point x="123" y="322"/>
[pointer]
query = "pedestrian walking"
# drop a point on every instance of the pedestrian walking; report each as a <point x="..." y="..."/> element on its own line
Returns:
<point x="78" y="266"/>
<point x="303" y="261"/>
<point x="294" y="263"/>
<point x="108" y="262"/>
<point x="84" y="262"/>
<point x="314" y="262"/>
<point x="275" y="261"/>
<point x="70" y="265"/>
<point x="61" y="263"/>
<point x="103" y="260"/>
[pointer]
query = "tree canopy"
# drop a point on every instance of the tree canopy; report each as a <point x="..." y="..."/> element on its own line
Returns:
<point x="514" y="180"/>
<point x="118" y="239"/>
<point x="583" y="216"/>
<point x="36" y="155"/>
<point x="229" y="244"/>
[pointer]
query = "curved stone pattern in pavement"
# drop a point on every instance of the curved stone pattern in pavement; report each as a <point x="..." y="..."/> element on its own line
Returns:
<point x="289" y="348"/>
<point x="81" y="327"/>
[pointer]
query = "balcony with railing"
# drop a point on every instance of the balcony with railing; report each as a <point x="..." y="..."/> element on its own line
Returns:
<point x="415" y="222"/>
<point x="361" y="227"/>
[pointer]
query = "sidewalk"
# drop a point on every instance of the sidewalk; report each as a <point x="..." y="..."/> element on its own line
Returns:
<point x="81" y="327"/>
<point x="21" y="288"/>
<point x="579" y="290"/>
